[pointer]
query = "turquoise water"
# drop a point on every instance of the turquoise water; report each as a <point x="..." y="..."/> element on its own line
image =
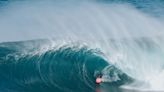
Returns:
<point x="63" y="69"/>
<point x="63" y="46"/>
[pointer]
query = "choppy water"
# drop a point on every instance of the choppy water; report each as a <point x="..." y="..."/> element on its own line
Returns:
<point x="62" y="46"/>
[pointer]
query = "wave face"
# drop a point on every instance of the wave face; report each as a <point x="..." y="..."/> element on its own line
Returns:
<point x="122" y="40"/>
<point x="66" y="68"/>
<point x="62" y="69"/>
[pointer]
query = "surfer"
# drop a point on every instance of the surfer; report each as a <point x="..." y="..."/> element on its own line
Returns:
<point x="99" y="79"/>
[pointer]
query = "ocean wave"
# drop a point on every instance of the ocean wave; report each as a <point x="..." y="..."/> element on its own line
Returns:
<point x="66" y="68"/>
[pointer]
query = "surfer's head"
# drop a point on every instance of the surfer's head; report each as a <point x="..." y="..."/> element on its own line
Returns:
<point x="98" y="80"/>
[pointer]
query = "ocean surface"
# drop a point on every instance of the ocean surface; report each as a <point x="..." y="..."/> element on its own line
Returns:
<point x="64" y="45"/>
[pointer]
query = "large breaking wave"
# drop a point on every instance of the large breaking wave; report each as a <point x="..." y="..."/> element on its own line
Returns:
<point x="68" y="68"/>
<point x="121" y="40"/>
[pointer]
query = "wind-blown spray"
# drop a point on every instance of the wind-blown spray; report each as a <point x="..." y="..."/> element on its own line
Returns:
<point x="129" y="39"/>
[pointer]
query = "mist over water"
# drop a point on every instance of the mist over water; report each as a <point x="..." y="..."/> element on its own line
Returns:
<point x="130" y="38"/>
<point x="47" y="19"/>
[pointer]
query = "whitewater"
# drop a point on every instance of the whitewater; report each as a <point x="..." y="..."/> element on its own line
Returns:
<point x="62" y="46"/>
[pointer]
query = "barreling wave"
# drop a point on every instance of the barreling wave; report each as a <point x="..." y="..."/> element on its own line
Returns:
<point x="68" y="68"/>
<point x="128" y="35"/>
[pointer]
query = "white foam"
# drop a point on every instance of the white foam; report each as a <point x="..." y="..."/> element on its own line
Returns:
<point x="113" y="28"/>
